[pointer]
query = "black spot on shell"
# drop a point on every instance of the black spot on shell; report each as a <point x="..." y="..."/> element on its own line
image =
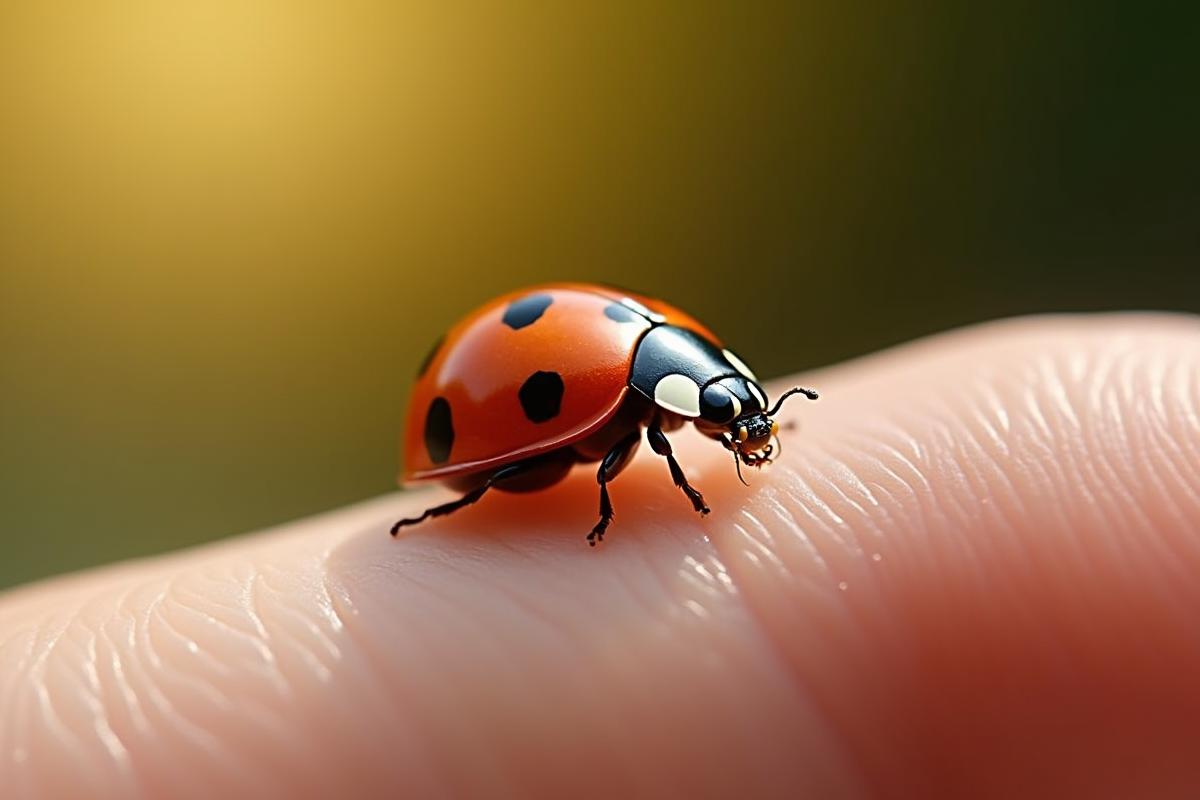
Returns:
<point x="433" y="351"/>
<point x="541" y="396"/>
<point x="620" y="312"/>
<point x="439" y="431"/>
<point x="526" y="311"/>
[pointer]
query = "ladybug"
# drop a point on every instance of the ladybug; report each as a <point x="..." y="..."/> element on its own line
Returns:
<point x="537" y="381"/>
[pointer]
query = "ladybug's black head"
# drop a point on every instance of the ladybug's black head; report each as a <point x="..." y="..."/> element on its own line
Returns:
<point x="732" y="411"/>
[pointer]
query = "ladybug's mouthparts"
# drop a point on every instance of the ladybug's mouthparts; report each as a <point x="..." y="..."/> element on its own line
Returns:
<point x="755" y="431"/>
<point x="749" y="437"/>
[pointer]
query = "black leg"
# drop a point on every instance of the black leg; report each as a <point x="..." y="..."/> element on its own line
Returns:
<point x="470" y="497"/>
<point x="660" y="445"/>
<point x="610" y="466"/>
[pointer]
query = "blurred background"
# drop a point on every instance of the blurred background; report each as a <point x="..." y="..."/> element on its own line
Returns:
<point x="230" y="230"/>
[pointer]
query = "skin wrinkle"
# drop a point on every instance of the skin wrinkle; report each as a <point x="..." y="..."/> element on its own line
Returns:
<point x="16" y="706"/>
<point x="1077" y="449"/>
<point x="1054" y="432"/>
<point x="845" y="526"/>
<point x="992" y="416"/>
<point x="1000" y="504"/>
<point x="908" y="488"/>
<point x="1159" y="468"/>
<point x="325" y="600"/>
<point x="371" y="672"/>
<point x="122" y="714"/>
<point x="298" y="630"/>
<point x="63" y="651"/>
<point x="175" y="619"/>
<point x="925" y="514"/>
<point x="124" y="641"/>
<point x="1000" y="508"/>
<point x="1116" y="469"/>
<point x="800" y="556"/>
<point x="1173" y="472"/>
<point x="954" y="509"/>
<point x="116" y="624"/>
<point x="189" y="702"/>
<point x="847" y="488"/>
<point x="1111" y="438"/>
<point x="100" y="756"/>
<point x="817" y="632"/>
<point x="1073" y="441"/>
<point x="827" y="566"/>
<point x="214" y="615"/>
<point x="700" y="579"/>
<point x="295" y="667"/>
<point x="705" y="588"/>
<point x="12" y="709"/>
<point x="1191" y="405"/>
<point x="160" y="620"/>
<point x="252" y="612"/>
<point x="170" y="725"/>
<point x="194" y="689"/>
<point x="17" y="717"/>
<point x="754" y="559"/>
<point x="172" y="722"/>
<point x="718" y="582"/>
<point x="372" y="724"/>
<point x="828" y="506"/>
<point x="951" y="556"/>
<point x="766" y="550"/>
<point x="300" y="645"/>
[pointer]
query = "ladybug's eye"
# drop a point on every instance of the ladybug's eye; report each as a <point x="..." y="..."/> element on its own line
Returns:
<point x="718" y="404"/>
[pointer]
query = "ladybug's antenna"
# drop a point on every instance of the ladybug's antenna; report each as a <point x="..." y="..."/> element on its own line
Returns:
<point x="809" y="393"/>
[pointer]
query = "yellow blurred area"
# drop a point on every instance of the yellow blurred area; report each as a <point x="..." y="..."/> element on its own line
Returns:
<point x="230" y="230"/>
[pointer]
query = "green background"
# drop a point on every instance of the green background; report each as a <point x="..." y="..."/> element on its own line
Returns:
<point x="229" y="231"/>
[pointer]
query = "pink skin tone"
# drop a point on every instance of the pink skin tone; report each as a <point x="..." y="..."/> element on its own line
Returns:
<point x="974" y="572"/>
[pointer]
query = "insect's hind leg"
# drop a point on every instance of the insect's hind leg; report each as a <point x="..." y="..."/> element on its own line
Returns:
<point x="523" y="476"/>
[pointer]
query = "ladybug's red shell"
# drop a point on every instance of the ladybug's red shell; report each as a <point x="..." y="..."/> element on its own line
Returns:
<point x="529" y="372"/>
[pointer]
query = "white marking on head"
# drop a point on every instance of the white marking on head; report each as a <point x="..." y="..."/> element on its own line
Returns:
<point x="678" y="393"/>
<point x="638" y="308"/>
<point x="758" y="395"/>
<point x="739" y="365"/>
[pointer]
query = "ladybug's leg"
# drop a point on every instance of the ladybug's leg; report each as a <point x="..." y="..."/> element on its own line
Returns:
<point x="502" y="474"/>
<point x="610" y="466"/>
<point x="660" y="445"/>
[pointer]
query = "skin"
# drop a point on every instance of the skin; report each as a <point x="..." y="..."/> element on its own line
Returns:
<point x="974" y="572"/>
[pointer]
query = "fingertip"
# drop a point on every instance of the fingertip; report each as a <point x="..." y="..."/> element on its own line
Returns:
<point x="995" y="554"/>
